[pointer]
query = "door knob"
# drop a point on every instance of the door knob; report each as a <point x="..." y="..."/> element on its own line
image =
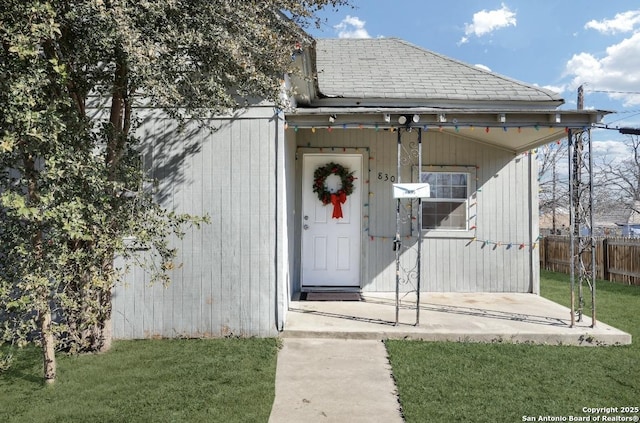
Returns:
<point x="305" y="227"/>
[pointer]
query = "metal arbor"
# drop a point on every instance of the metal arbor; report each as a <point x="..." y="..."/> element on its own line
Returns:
<point x="408" y="213"/>
<point x="582" y="241"/>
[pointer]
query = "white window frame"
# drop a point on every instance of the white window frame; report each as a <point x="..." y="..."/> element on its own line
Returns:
<point x="469" y="202"/>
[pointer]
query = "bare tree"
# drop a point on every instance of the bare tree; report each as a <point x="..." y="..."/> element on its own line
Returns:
<point x="620" y="179"/>
<point x="554" y="189"/>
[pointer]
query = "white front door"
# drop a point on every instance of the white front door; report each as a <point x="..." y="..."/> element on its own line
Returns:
<point x="331" y="247"/>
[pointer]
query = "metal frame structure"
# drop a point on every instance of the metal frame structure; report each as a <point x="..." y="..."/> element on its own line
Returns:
<point x="408" y="272"/>
<point x="582" y="241"/>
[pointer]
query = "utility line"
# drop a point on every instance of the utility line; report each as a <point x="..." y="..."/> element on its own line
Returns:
<point x="626" y="117"/>
<point x="613" y="92"/>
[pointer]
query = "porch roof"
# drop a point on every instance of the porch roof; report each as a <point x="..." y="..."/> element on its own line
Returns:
<point x="512" y="130"/>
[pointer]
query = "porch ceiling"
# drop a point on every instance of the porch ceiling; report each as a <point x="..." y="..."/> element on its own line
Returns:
<point x="512" y="130"/>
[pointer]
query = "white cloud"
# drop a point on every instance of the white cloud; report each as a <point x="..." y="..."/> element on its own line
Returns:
<point x="617" y="72"/>
<point x="555" y="88"/>
<point x="622" y="22"/>
<point x="487" y="21"/>
<point x="610" y="151"/>
<point x="352" y="27"/>
<point x="483" y="67"/>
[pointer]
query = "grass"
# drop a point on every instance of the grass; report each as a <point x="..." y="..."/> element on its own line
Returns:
<point x="225" y="380"/>
<point x="503" y="382"/>
<point x="233" y="380"/>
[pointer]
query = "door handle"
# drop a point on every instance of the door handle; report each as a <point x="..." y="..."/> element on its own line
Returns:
<point x="305" y="227"/>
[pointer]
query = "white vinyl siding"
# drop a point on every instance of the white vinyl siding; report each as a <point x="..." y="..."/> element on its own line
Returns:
<point x="224" y="282"/>
<point x="501" y="200"/>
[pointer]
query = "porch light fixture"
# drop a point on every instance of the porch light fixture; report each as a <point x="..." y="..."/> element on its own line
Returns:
<point x="557" y="118"/>
<point x="442" y="117"/>
<point x="332" y="118"/>
<point x="386" y="117"/>
<point x="408" y="119"/>
<point x="502" y="118"/>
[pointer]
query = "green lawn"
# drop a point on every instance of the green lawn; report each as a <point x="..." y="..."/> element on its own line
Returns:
<point x="447" y="382"/>
<point x="223" y="380"/>
<point x="233" y="380"/>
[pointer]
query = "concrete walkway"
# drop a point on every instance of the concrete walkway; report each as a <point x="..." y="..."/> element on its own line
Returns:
<point x="334" y="380"/>
<point x="333" y="366"/>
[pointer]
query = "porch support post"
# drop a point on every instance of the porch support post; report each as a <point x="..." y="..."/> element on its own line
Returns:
<point x="592" y="240"/>
<point x="572" y="237"/>
<point x="419" y="231"/>
<point x="397" y="242"/>
<point x="583" y="247"/>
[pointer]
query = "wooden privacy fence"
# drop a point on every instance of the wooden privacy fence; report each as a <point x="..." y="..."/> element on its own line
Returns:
<point x="617" y="259"/>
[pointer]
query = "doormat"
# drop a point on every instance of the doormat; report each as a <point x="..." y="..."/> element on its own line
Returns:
<point x="330" y="296"/>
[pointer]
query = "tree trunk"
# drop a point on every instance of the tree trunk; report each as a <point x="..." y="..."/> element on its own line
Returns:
<point x="48" y="345"/>
<point x="105" y="301"/>
<point x="44" y="315"/>
<point x="107" y="334"/>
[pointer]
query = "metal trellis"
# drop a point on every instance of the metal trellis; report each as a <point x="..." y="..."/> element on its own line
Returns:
<point x="408" y="213"/>
<point x="582" y="242"/>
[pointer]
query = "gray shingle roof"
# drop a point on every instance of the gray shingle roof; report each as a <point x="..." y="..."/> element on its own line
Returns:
<point x="393" y="69"/>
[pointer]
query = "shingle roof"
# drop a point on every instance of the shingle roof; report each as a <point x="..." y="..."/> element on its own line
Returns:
<point x="393" y="69"/>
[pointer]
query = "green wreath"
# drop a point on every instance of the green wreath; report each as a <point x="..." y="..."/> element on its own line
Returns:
<point x="320" y="176"/>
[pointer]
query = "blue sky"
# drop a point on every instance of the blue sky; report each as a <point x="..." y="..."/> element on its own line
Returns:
<point x="557" y="44"/>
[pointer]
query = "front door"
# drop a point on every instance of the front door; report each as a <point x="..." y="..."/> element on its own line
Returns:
<point x="331" y="246"/>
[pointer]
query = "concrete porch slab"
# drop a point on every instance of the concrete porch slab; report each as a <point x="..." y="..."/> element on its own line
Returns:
<point x="472" y="317"/>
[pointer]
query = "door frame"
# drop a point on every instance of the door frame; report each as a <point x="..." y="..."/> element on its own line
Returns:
<point x="364" y="214"/>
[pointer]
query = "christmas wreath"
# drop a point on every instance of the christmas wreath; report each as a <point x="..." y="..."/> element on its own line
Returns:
<point x="336" y="198"/>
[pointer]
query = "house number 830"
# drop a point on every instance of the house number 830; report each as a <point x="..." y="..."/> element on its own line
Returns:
<point x="386" y="177"/>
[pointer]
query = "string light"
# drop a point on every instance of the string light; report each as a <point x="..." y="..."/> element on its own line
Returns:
<point x="486" y="242"/>
<point x="457" y="127"/>
<point x="506" y="244"/>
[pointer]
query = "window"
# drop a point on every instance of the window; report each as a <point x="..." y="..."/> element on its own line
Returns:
<point x="447" y="209"/>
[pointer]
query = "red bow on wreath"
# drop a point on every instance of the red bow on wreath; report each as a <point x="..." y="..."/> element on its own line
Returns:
<point x="337" y="199"/>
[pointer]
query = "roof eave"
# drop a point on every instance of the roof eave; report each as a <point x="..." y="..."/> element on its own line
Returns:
<point x="514" y="130"/>
<point x="440" y="103"/>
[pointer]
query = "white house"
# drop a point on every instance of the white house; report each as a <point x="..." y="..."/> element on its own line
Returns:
<point x="384" y="111"/>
